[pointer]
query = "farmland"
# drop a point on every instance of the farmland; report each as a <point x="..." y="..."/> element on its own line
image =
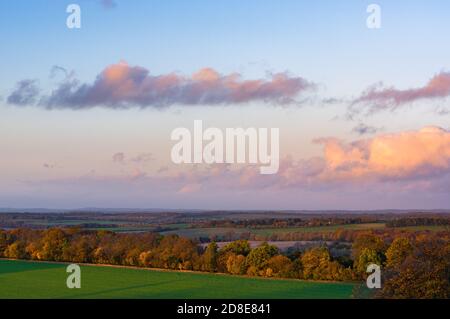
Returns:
<point x="22" y="279"/>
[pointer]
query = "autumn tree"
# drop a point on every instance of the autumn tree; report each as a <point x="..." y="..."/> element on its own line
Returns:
<point x="53" y="244"/>
<point x="258" y="257"/>
<point x="280" y="266"/>
<point x="16" y="250"/>
<point x="368" y="248"/>
<point x="315" y="263"/>
<point x="236" y="264"/>
<point x="424" y="273"/>
<point x="238" y="247"/>
<point x="366" y="257"/>
<point x="3" y="242"/>
<point x="398" y="251"/>
<point x="209" y="258"/>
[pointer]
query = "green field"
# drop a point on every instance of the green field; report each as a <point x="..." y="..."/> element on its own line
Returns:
<point x="21" y="279"/>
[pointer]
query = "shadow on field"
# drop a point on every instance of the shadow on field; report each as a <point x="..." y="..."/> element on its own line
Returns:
<point x="98" y="293"/>
<point x="14" y="266"/>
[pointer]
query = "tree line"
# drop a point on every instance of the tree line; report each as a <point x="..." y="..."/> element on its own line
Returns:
<point x="281" y="222"/>
<point x="418" y="221"/>
<point x="416" y="265"/>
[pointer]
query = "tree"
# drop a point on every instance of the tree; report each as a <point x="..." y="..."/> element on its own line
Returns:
<point x="366" y="249"/>
<point x="280" y="266"/>
<point x="209" y="258"/>
<point x="132" y="257"/>
<point x="369" y="241"/>
<point x="259" y="256"/>
<point x="146" y="259"/>
<point x="236" y="264"/>
<point x="366" y="257"/>
<point x="397" y="252"/>
<point x="53" y="244"/>
<point x="315" y="263"/>
<point x="239" y="247"/>
<point x="16" y="250"/>
<point x="3" y="241"/>
<point x="424" y="273"/>
<point x="33" y="251"/>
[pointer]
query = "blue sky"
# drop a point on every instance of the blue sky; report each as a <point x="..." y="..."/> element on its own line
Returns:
<point x="184" y="36"/>
<point x="325" y="42"/>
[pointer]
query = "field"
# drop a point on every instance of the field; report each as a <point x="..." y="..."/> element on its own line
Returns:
<point x="21" y="279"/>
<point x="223" y="231"/>
<point x="195" y="224"/>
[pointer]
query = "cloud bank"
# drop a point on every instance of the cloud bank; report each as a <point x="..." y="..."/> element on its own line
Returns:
<point x="406" y="157"/>
<point x="399" y="156"/>
<point x="123" y="86"/>
<point x="402" y="170"/>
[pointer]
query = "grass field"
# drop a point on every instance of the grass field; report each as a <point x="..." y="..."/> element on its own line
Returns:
<point x="21" y="279"/>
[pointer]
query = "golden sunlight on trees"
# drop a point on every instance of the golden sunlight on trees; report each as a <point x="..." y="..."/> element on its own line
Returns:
<point x="414" y="265"/>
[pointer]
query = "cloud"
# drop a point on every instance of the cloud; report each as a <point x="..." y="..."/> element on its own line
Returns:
<point x="49" y="165"/>
<point x="25" y="93"/>
<point x="119" y="158"/>
<point x="56" y="70"/>
<point x="190" y="188"/>
<point x="108" y="4"/>
<point x="137" y="174"/>
<point x="143" y="158"/>
<point x="403" y="170"/>
<point x="379" y="98"/>
<point x="123" y="86"/>
<point x="400" y="156"/>
<point x="407" y="158"/>
<point x="363" y="129"/>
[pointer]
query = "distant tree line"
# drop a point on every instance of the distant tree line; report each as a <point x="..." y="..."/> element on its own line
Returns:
<point x="414" y="266"/>
<point x="418" y="221"/>
<point x="341" y="234"/>
<point x="281" y="222"/>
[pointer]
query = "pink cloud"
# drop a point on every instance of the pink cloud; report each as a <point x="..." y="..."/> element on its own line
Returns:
<point x="390" y="98"/>
<point x="411" y="157"/>
<point x="411" y="154"/>
<point x="122" y="86"/>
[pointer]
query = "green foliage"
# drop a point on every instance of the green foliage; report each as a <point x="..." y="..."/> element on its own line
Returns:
<point x="238" y="247"/>
<point x="366" y="257"/>
<point x="368" y="249"/>
<point x="259" y="256"/>
<point x="209" y="258"/>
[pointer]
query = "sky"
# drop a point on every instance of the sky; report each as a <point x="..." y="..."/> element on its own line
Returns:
<point x="86" y="114"/>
